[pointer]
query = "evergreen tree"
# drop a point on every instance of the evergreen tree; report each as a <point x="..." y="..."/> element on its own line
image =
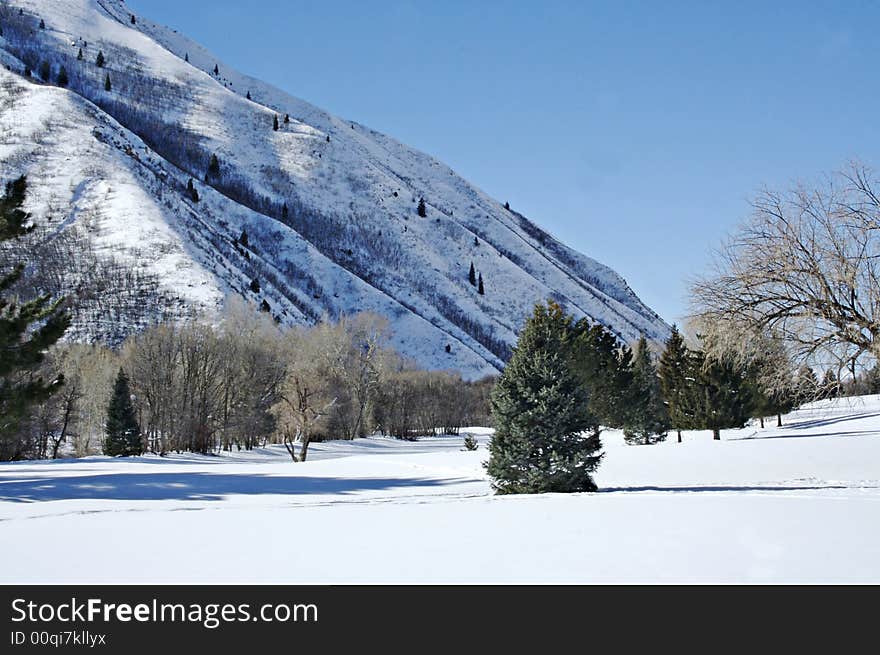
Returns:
<point x="472" y="275"/>
<point x="255" y="285"/>
<point x="770" y="382"/>
<point x="831" y="387"/>
<point x="133" y="20"/>
<point x="285" y="212"/>
<point x="99" y="60"/>
<point x="123" y="434"/>
<point x="275" y="125"/>
<point x="721" y="399"/>
<point x="673" y="369"/>
<point x="248" y="95"/>
<point x="214" y="166"/>
<point x="45" y="70"/>
<point x="265" y="307"/>
<point x="216" y="70"/>
<point x="476" y="242"/>
<point x="647" y="420"/>
<point x="63" y="80"/>
<point x="186" y="57"/>
<point x="192" y="191"/>
<point x="422" y="209"/>
<point x="507" y="206"/>
<point x="806" y="385"/>
<point x="107" y="85"/>
<point x="243" y="239"/>
<point x="28" y="328"/>
<point x="42" y="24"/>
<point x="545" y="438"/>
<point x="79" y="56"/>
<point x="286" y="119"/>
<point x="603" y="365"/>
<point x="480" y="288"/>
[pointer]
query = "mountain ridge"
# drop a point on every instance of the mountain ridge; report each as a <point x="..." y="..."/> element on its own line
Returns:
<point x="329" y="205"/>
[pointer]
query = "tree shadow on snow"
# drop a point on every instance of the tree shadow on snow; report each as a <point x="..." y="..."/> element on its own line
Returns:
<point x="820" y="422"/>
<point x="720" y="488"/>
<point x="189" y="486"/>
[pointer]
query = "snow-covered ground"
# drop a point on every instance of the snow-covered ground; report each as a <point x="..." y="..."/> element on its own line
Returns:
<point x="794" y="504"/>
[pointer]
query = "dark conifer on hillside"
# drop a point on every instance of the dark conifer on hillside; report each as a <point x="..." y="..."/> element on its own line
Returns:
<point x="123" y="434"/>
<point x="255" y="285"/>
<point x="216" y="70"/>
<point x="480" y="288"/>
<point x="45" y="70"/>
<point x="107" y="85"/>
<point x="472" y="275"/>
<point x="99" y="60"/>
<point x="28" y="328"/>
<point x="79" y="55"/>
<point x="285" y="212"/>
<point x="422" y="210"/>
<point x="63" y="79"/>
<point x="286" y="119"/>
<point x="214" y="166"/>
<point x="265" y="306"/>
<point x="243" y="239"/>
<point x="192" y="191"/>
<point x="42" y="24"/>
<point x="133" y="20"/>
<point x="647" y="420"/>
<point x="674" y="380"/>
<point x="248" y="95"/>
<point x="275" y="125"/>
<point x="545" y="438"/>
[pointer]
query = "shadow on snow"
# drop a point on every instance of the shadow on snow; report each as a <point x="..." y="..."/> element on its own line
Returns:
<point x="189" y="486"/>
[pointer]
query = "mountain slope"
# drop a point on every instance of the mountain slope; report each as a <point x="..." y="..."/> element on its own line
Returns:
<point x="329" y="206"/>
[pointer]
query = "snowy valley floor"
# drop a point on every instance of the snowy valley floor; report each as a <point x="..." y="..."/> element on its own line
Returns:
<point x="796" y="504"/>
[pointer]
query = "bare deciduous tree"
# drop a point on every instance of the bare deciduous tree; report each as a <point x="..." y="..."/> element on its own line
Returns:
<point x="806" y="269"/>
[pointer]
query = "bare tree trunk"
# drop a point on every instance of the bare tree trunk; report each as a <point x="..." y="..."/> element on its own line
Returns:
<point x="779" y="420"/>
<point x="679" y="435"/>
<point x="762" y="422"/>
<point x="716" y="434"/>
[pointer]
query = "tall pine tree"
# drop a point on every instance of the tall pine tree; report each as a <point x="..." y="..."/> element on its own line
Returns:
<point x="545" y="438"/>
<point x="647" y="420"/>
<point x="472" y="275"/>
<point x="675" y="383"/>
<point x="721" y="398"/>
<point x="603" y="365"/>
<point x="123" y="434"/>
<point x="27" y="330"/>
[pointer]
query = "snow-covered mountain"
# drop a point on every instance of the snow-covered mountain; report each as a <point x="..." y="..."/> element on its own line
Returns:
<point x="329" y="206"/>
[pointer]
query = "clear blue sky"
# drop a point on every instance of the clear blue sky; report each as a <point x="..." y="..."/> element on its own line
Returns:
<point x="634" y="131"/>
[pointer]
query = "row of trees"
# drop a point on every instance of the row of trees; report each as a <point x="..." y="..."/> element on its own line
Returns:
<point x="242" y="384"/>
<point x="567" y="380"/>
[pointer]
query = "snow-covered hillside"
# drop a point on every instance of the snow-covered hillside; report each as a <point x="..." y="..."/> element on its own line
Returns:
<point x="797" y="504"/>
<point x="329" y="206"/>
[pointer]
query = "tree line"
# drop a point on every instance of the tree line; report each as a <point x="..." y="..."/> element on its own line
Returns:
<point x="567" y="380"/>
